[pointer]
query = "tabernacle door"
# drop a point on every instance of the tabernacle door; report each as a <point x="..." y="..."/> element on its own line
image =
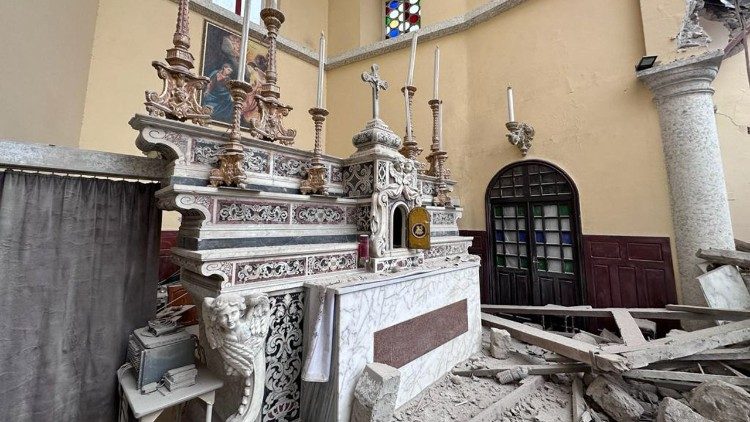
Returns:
<point x="418" y="229"/>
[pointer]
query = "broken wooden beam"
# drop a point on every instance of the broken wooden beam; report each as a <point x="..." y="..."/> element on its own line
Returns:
<point x="742" y="353"/>
<point x="644" y="313"/>
<point x="717" y="313"/>
<point x="577" y="400"/>
<point x="494" y="411"/>
<point x="669" y="348"/>
<point x="576" y="350"/>
<point x="531" y="369"/>
<point x="629" y="330"/>
<point x="691" y="377"/>
<point x="725" y="257"/>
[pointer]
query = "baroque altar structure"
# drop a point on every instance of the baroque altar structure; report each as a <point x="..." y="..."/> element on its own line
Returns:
<point x="269" y="238"/>
<point x="301" y="290"/>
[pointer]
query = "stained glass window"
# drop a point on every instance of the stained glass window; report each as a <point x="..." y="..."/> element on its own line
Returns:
<point x="402" y="16"/>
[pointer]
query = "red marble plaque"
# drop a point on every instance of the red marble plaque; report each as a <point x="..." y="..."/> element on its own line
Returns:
<point x="400" y="344"/>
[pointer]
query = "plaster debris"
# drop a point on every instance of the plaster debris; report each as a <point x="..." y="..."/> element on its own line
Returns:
<point x="671" y="410"/>
<point x="614" y="400"/>
<point x="649" y="380"/>
<point x="721" y="402"/>
<point x="501" y="344"/>
<point x="692" y="33"/>
<point x="375" y="394"/>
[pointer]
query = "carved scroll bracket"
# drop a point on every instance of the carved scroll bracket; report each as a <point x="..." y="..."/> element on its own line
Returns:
<point x="197" y="207"/>
<point x="270" y="125"/>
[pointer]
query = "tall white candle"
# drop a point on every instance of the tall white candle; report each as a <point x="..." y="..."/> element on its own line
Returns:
<point x="321" y="69"/>
<point x="243" y="45"/>
<point x="437" y="73"/>
<point x="511" y="111"/>
<point x="412" y="58"/>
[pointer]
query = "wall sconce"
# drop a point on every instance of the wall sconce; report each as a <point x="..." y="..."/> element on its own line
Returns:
<point x="521" y="134"/>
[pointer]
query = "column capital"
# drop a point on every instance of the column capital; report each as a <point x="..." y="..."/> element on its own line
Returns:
<point x="681" y="77"/>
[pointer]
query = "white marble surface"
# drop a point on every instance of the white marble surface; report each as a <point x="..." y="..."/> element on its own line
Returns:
<point x="361" y="313"/>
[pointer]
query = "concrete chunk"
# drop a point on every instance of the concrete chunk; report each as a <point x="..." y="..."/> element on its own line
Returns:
<point x="614" y="400"/>
<point x="721" y="401"/>
<point x="375" y="394"/>
<point x="500" y="343"/>
<point x="671" y="410"/>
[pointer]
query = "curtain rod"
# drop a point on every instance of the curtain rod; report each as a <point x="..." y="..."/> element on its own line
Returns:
<point x="67" y="160"/>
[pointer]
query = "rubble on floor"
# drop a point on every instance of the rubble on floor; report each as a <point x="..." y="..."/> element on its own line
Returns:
<point x="528" y="373"/>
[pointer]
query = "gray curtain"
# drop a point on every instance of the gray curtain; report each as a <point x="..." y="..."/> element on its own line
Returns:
<point x="78" y="272"/>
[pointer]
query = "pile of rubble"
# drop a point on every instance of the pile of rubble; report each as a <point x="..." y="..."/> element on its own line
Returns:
<point x="685" y="376"/>
<point x="529" y="373"/>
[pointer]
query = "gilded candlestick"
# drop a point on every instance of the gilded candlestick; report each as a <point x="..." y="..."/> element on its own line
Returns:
<point x="442" y="199"/>
<point x="411" y="149"/>
<point x="231" y="171"/>
<point x="181" y="87"/>
<point x="316" y="174"/>
<point x="270" y="125"/>
<point x="436" y="146"/>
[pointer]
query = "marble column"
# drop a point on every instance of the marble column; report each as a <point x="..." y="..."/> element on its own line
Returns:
<point x="700" y="210"/>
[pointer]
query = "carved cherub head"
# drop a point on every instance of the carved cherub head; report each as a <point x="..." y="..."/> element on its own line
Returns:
<point x="227" y="311"/>
<point x="231" y="317"/>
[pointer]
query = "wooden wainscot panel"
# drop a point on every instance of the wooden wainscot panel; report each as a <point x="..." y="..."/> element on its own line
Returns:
<point x="402" y="343"/>
<point x="629" y="271"/>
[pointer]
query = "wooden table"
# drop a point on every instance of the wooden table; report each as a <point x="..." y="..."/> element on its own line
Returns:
<point x="147" y="407"/>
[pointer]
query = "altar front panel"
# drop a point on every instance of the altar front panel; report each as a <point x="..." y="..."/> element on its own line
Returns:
<point x="362" y="311"/>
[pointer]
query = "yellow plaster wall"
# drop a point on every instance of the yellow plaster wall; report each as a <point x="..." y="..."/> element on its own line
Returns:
<point x="592" y="116"/>
<point x="46" y="51"/>
<point x="343" y="26"/>
<point x="732" y="100"/>
<point x="129" y="36"/>
<point x="304" y="21"/>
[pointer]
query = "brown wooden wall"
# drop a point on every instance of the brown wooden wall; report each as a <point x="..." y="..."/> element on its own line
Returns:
<point x="628" y="271"/>
<point x="619" y="271"/>
<point x="166" y="266"/>
<point x="480" y="247"/>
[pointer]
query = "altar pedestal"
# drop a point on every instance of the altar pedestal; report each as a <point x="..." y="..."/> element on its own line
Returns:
<point x="422" y="323"/>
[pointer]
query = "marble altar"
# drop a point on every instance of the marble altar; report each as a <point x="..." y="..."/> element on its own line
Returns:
<point x="269" y="238"/>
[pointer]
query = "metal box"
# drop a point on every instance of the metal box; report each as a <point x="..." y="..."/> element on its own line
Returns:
<point x="152" y="356"/>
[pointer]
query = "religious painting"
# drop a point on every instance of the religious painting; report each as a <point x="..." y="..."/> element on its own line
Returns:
<point x="221" y="52"/>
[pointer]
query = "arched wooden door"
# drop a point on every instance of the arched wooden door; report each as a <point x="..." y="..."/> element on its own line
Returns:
<point x="533" y="225"/>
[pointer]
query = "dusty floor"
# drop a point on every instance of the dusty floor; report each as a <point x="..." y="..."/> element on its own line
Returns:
<point x="458" y="398"/>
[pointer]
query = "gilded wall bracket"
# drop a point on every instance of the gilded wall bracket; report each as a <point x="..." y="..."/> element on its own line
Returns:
<point x="521" y="135"/>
